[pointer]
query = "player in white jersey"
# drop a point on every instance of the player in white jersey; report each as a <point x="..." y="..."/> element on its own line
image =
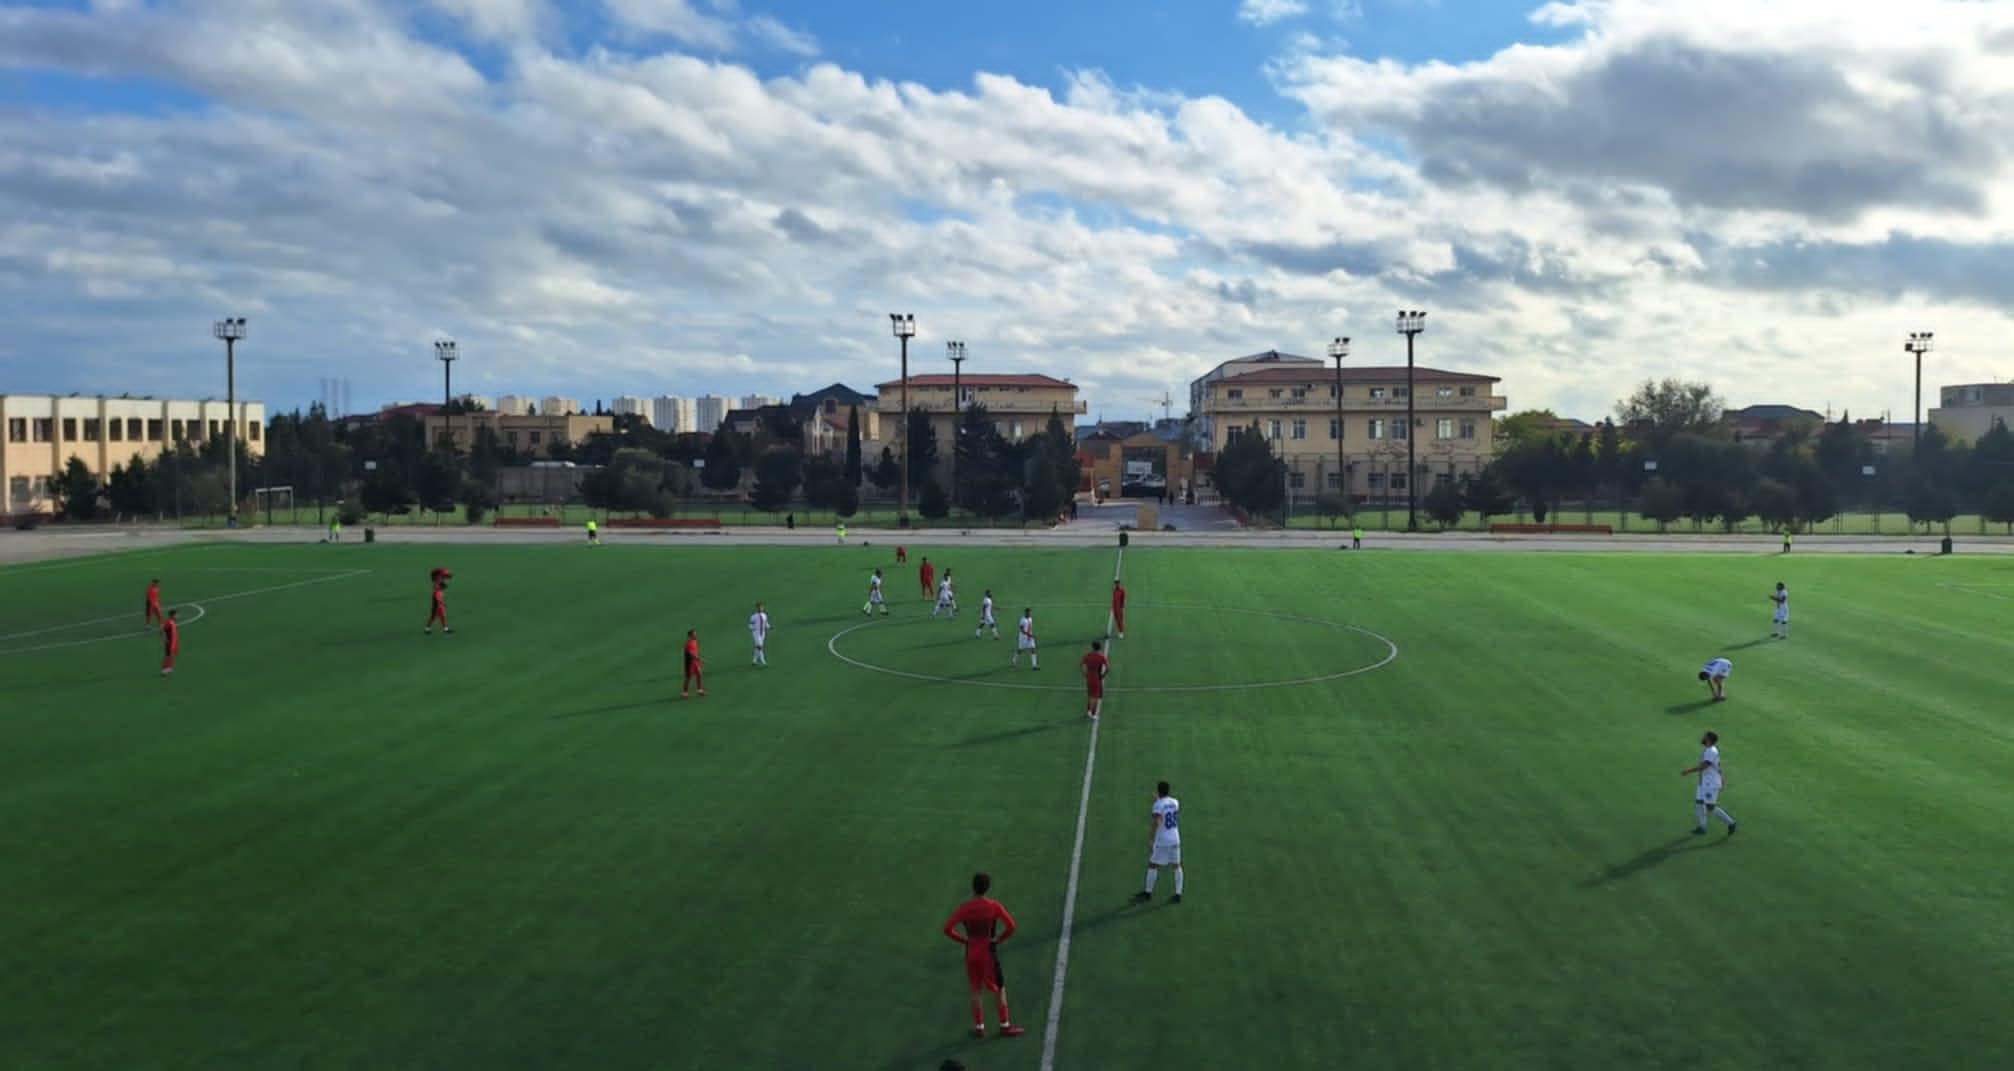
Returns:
<point x="1715" y="673"/>
<point x="758" y="631"/>
<point x="947" y="598"/>
<point x="1024" y="643"/>
<point x="1711" y="781"/>
<point x="1166" y="850"/>
<point x="1780" y="629"/>
<point x="874" y="598"/>
<point x="986" y="617"/>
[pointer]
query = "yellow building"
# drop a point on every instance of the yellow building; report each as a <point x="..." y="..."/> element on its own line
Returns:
<point x="1295" y="407"/>
<point x="43" y="433"/>
<point x="533" y="433"/>
<point x="1019" y="405"/>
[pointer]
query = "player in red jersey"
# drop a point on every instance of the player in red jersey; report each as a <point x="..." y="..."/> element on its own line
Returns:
<point x="979" y="917"/>
<point x="1119" y="609"/>
<point x="439" y="574"/>
<point x="693" y="664"/>
<point x="1096" y="665"/>
<point x="171" y="642"/>
<point x="929" y="574"/>
<point x="440" y="608"/>
<point x="901" y="554"/>
<point x="153" y="610"/>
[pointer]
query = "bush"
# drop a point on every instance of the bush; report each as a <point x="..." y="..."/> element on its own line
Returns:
<point x="350" y="513"/>
<point x="934" y="503"/>
<point x="476" y="511"/>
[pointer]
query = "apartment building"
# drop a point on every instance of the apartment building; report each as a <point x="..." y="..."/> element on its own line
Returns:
<point x="44" y="432"/>
<point x="1969" y="410"/>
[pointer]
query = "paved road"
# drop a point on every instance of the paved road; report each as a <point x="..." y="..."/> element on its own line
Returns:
<point x="1092" y="528"/>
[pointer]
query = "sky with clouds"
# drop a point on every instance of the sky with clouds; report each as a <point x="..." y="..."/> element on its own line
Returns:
<point x="601" y="197"/>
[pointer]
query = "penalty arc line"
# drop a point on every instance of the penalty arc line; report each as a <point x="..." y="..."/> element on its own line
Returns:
<point x="1054" y="1024"/>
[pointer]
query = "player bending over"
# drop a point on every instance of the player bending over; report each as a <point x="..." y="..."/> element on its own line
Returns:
<point x="1096" y="666"/>
<point x="1711" y="781"/>
<point x="1166" y="850"/>
<point x="1715" y="673"/>
<point x="986" y="620"/>
<point x="1025" y="642"/>
<point x="979" y="918"/>
<point x="758" y="631"/>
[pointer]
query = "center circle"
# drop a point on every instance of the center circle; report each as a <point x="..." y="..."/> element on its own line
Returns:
<point x="1390" y="653"/>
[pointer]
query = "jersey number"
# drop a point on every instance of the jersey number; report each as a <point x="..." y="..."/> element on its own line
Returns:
<point x="1171" y="820"/>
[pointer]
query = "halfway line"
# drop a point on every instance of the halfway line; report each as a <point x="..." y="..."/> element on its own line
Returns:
<point x="1053" y="1028"/>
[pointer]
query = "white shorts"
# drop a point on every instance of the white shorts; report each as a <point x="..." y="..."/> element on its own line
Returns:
<point x="1782" y="616"/>
<point x="1166" y="854"/>
<point x="986" y="619"/>
<point x="758" y="642"/>
<point x="874" y="597"/>
<point x="1027" y="644"/>
<point x="1708" y="796"/>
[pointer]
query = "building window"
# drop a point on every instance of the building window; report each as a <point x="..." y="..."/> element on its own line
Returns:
<point x="1234" y="393"/>
<point x="1335" y="481"/>
<point x="1335" y="428"/>
<point x="69" y="429"/>
<point x="1273" y="430"/>
<point x="1377" y="429"/>
<point x="512" y="438"/>
<point x="1377" y="392"/>
<point x="1232" y="435"/>
<point x="1398" y="481"/>
<point x="1300" y="392"/>
<point x="1467" y="392"/>
<point x="153" y="431"/>
<point x="17" y="429"/>
<point x="1335" y="391"/>
<point x="1297" y="480"/>
<point x="1399" y="429"/>
<point x="535" y="436"/>
<point x="1442" y="479"/>
<point x="1015" y="430"/>
<point x="45" y="429"/>
<point x="1274" y="393"/>
<point x="94" y="429"/>
<point x="1468" y="429"/>
<point x="133" y="429"/>
<point x="252" y="429"/>
<point x="1401" y="392"/>
<point x="1300" y="429"/>
<point x="216" y="429"/>
<point x="1444" y="392"/>
<point x="175" y="430"/>
<point x="1444" y="428"/>
<point x="1377" y="481"/>
<point x="118" y="430"/>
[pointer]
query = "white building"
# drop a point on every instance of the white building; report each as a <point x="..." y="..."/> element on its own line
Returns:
<point x="757" y="401"/>
<point x="709" y="410"/>
<point x="668" y="412"/>
<point x="631" y="404"/>
<point x="513" y="404"/>
<point x="43" y="433"/>
<point x="480" y="401"/>
<point x="555" y="405"/>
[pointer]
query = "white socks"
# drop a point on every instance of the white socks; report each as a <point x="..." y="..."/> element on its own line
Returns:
<point x="1178" y="881"/>
<point x="1151" y="875"/>
<point x="1723" y="816"/>
<point x="1700" y="810"/>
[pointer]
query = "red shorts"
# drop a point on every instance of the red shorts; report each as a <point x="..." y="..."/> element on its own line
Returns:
<point x="983" y="971"/>
<point x="692" y="667"/>
<point x="1095" y="689"/>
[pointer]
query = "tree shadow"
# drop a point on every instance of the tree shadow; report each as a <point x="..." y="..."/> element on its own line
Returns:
<point x="1651" y="858"/>
<point x="1689" y="708"/>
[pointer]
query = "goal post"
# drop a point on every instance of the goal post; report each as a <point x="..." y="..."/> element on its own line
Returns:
<point x="274" y="498"/>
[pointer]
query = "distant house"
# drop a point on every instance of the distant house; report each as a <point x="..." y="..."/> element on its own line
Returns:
<point x="1764" y="424"/>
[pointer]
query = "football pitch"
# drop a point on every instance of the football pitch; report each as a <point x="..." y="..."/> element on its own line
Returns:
<point x="1433" y="815"/>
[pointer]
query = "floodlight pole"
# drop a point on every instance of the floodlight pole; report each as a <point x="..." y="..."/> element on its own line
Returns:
<point x="1410" y="325"/>
<point x="231" y="329"/>
<point x="956" y="351"/>
<point x="1339" y="349"/>
<point x="904" y="325"/>
<point x="1918" y="344"/>
<point x="447" y="353"/>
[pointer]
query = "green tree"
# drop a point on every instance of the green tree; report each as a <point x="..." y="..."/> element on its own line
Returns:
<point x="1518" y="428"/>
<point x="1485" y="495"/>
<point x="1662" y="502"/>
<point x="1990" y="463"/>
<point x="922" y="460"/>
<point x="777" y="474"/>
<point x="989" y="467"/>
<point x="386" y="491"/>
<point x="439" y="480"/>
<point x="934" y="503"/>
<point x="1444" y="504"/>
<point x="1998" y="505"/>
<point x="75" y="491"/>
<point x="853" y="446"/>
<point x="1776" y="503"/>
<point x="1249" y="475"/>
<point x="1333" y="506"/>
<point x="1658" y="410"/>
<point x="723" y="468"/>
<point x="131" y="488"/>
<point x="887" y="472"/>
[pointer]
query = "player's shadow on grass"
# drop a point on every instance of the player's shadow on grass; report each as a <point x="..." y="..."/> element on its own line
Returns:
<point x="1011" y="734"/>
<point x="613" y="708"/>
<point x="1650" y="859"/>
<point x="1757" y="642"/>
<point x="1693" y="707"/>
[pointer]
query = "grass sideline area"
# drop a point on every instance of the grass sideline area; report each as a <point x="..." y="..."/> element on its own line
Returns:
<point x="330" y="841"/>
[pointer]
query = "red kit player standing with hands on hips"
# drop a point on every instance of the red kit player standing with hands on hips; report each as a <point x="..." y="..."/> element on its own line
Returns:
<point x="978" y="918"/>
<point x="692" y="666"/>
<point x="1096" y="665"/>
<point x="171" y="642"/>
<point x="153" y="611"/>
<point x="1119" y="609"/>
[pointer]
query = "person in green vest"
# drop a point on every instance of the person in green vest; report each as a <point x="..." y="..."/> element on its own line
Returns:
<point x="1356" y="537"/>
<point x="841" y="529"/>
<point x="1786" y="541"/>
<point x="593" y="534"/>
<point x="335" y="529"/>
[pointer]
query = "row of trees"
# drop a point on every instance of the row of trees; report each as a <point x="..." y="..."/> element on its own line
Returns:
<point x="1670" y="454"/>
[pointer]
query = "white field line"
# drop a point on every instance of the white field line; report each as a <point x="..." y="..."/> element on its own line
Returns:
<point x="85" y="558"/>
<point x="1054" y="1026"/>
<point x="197" y="604"/>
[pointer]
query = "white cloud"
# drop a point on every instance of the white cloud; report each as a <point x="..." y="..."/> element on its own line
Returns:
<point x="1267" y="12"/>
<point x="676" y="19"/>
<point x="782" y="38"/>
<point x="499" y="20"/>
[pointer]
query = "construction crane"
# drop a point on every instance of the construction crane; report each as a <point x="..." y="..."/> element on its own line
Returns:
<point x="1166" y="403"/>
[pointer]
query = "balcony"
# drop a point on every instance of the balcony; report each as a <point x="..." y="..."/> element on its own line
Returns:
<point x="1326" y="404"/>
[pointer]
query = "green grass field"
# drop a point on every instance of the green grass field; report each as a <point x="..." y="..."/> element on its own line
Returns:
<point x="331" y="842"/>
